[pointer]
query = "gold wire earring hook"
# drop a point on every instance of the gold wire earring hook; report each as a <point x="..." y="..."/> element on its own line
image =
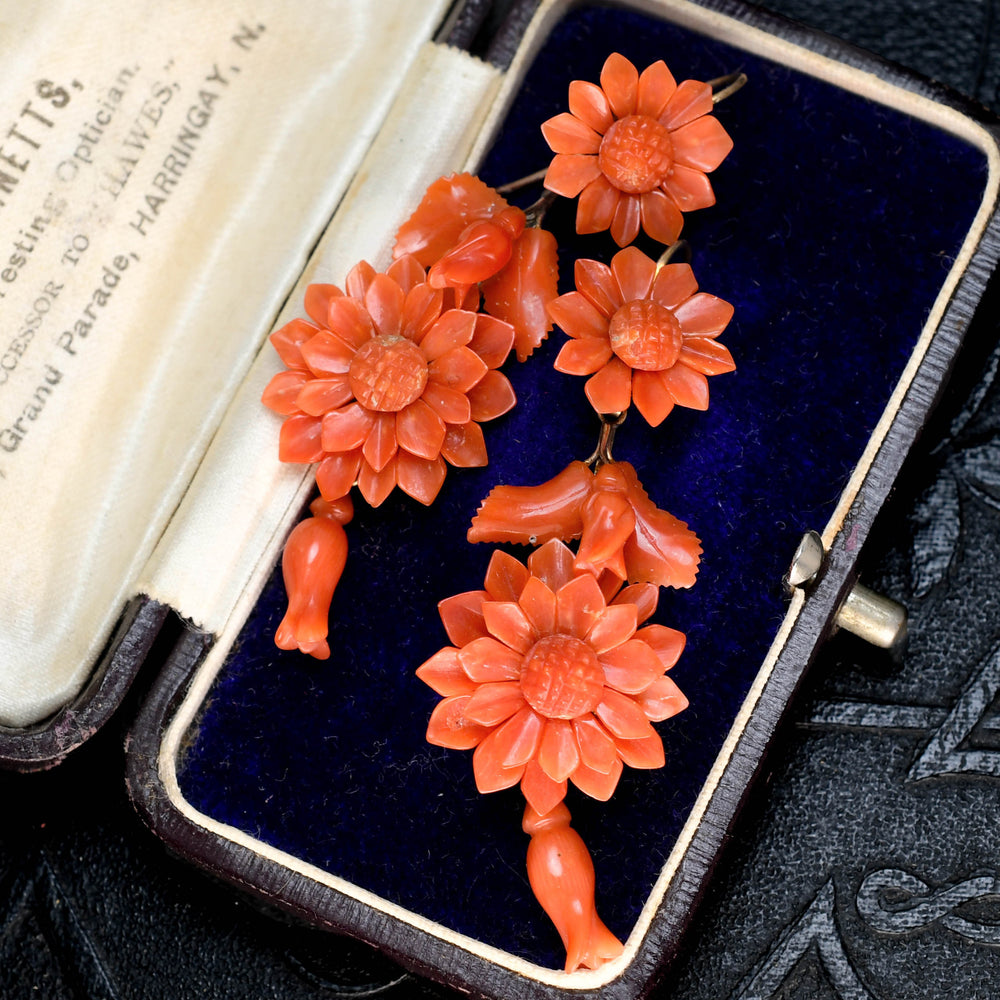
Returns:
<point x="726" y="86"/>
<point x="610" y="422"/>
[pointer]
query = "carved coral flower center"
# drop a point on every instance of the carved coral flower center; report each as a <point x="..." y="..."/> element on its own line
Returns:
<point x="562" y="678"/>
<point x="636" y="154"/>
<point x="646" y="335"/>
<point x="388" y="373"/>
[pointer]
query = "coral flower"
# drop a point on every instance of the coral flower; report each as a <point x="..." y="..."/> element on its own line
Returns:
<point x="387" y="384"/>
<point x="620" y="529"/>
<point x="467" y="234"/>
<point x="550" y="682"/>
<point x="644" y="333"/>
<point x="636" y="149"/>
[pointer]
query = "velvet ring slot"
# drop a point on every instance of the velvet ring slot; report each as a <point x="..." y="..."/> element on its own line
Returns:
<point x="317" y="777"/>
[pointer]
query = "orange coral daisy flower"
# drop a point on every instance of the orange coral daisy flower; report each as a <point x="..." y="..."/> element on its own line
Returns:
<point x="644" y="333"/>
<point x="549" y="681"/>
<point x="636" y="150"/>
<point x="387" y="384"/>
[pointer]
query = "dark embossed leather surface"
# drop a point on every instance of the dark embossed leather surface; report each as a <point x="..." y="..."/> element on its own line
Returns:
<point x="866" y="862"/>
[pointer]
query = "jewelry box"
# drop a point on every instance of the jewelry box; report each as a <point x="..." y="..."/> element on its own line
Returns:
<point x="173" y="200"/>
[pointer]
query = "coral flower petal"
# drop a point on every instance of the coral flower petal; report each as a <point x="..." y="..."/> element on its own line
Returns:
<point x="595" y="211"/>
<point x="577" y="316"/>
<point x="590" y="104"/>
<point x="448" y="726"/>
<point x="651" y="397"/>
<point x="407" y="273"/>
<point x="336" y="474"/>
<point x="702" y="144"/>
<point x="688" y="387"/>
<point x="346" y="429"/>
<point x="443" y="673"/>
<point x="288" y="340"/>
<point x="595" y="281"/>
<point x="542" y="793"/>
<point x="462" y="616"/>
<point x="583" y="357"/>
<point x="420" y="430"/>
<point x="516" y="741"/>
<point x="656" y="86"/>
<point x="317" y="301"/>
<point x="706" y="356"/>
<point x="488" y="661"/>
<point x="552" y="563"/>
<point x="327" y="354"/>
<point x="567" y="134"/>
<point x="674" y="284"/>
<point x="620" y="81"/>
<point x="459" y="369"/>
<point x="596" y="785"/>
<point x="628" y="217"/>
<point x="623" y="716"/>
<point x="634" y="272"/>
<point x="495" y="703"/>
<point x="661" y="218"/>
<point x="350" y="321"/>
<point x="506" y="577"/>
<point x="283" y="390"/>
<point x="570" y="173"/>
<point x="615" y="626"/>
<point x="451" y="406"/>
<point x="689" y="188"/>
<point x="610" y="390"/>
<point x="376" y="486"/>
<point x="704" y="315"/>
<point x="539" y="604"/>
<point x="359" y="279"/>
<point x="320" y="395"/>
<point x="559" y="753"/>
<point x="666" y="643"/>
<point x="493" y="338"/>
<point x="689" y="101"/>
<point x="579" y="604"/>
<point x="643" y="595"/>
<point x="420" y="478"/>
<point x="384" y="301"/>
<point x="597" y="748"/>
<point x="464" y="446"/>
<point x="300" y="439"/>
<point x="521" y="290"/>
<point x="491" y="398"/>
<point x="646" y="754"/>
<point x="631" y="667"/>
<point x="421" y="310"/>
<point x="483" y="250"/>
<point x="662" y="700"/>
<point x="508" y="623"/>
<point x="491" y="775"/>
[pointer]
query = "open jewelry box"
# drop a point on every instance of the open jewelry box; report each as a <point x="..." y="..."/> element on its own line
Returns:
<point x="183" y="187"/>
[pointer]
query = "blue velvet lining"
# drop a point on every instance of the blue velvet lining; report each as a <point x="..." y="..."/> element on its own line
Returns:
<point x="836" y="223"/>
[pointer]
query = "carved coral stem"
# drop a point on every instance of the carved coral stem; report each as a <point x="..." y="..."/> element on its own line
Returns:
<point x="561" y="874"/>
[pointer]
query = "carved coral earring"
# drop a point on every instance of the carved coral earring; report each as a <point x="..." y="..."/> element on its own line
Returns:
<point x="554" y="676"/>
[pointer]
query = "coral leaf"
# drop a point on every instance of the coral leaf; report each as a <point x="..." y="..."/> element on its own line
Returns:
<point x="521" y="291"/>
<point x="535" y="514"/>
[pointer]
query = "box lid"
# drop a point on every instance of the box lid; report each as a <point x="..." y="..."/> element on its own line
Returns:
<point x="165" y="171"/>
